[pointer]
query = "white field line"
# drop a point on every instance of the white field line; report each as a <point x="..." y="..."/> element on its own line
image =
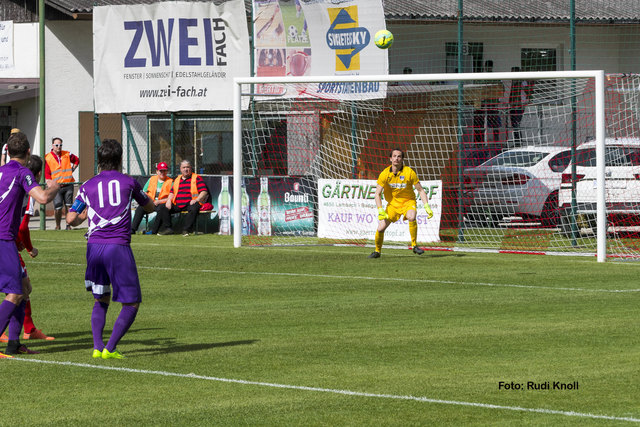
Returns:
<point x="334" y="391"/>
<point x="384" y="279"/>
<point x="398" y="251"/>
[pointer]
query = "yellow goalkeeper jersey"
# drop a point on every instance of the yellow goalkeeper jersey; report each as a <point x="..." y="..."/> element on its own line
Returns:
<point x="398" y="187"/>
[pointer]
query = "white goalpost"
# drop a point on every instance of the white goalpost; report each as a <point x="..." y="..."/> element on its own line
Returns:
<point x="513" y="162"/>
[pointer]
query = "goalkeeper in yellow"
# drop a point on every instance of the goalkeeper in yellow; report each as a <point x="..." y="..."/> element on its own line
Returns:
<point x="398" y="182"/>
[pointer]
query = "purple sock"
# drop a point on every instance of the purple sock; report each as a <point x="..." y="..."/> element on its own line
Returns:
<point x="98" y="319"/>
<point x="16" y="321"/>
<point x="123" y="322"/>
<point x="6" y="309"/>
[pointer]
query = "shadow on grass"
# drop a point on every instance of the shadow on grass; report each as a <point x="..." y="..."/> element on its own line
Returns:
<point x="185" y="348"/>
<point x="442" y="254"/>
<point x="82" y="340"/>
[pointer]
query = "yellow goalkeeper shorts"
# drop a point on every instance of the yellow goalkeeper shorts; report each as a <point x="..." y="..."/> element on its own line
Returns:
<point x="400" y="207"/>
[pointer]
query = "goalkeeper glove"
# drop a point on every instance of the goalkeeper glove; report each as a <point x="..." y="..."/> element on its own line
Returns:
<point x="382" y="214"/>
<point x="429" y="211"/>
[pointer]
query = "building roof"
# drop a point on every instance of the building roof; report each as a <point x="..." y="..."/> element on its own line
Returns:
<point x="611" y="11"/>
<point x="596" y="11"/>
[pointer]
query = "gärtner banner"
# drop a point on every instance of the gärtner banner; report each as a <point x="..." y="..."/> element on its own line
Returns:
<point x="347" y="210"/>
<point x="320" y="38"/>
<point x="174" y="56"/>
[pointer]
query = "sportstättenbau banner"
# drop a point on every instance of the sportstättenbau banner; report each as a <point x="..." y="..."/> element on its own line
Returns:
<point x="173" y="56"/>
<point x="320" y="38"/>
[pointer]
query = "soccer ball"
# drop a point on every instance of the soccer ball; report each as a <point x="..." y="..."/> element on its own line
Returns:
<point x="383" y="39"/>
<point x="293" y="33"/>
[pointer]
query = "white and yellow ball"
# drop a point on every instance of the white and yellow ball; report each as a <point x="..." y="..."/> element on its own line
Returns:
<point x="383" y="39"/>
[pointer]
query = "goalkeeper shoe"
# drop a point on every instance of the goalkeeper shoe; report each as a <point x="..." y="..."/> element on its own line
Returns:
<point x="97" y="354"/>
<point x="115" y="354"/>
<point x="5" y="356"/>
<point x="374" y="254"/>
<point x="417" y="250"/>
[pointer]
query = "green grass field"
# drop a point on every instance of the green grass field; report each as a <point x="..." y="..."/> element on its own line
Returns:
<point x="326" y="336"/>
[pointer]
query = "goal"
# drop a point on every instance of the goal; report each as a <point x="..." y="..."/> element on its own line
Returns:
<point x="512" y="162"/>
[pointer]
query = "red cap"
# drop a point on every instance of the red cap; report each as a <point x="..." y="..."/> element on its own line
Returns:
<point x="162" y="166"/>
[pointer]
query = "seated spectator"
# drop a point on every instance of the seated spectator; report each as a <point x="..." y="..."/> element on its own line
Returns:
<point x="157" y="188"/>
<point x="188" y="193"/>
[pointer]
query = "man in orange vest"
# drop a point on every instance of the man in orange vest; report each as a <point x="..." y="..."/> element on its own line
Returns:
<point x="188" y="193"/>
<point x="59" y="166"/>
<point x="157" y="188"/>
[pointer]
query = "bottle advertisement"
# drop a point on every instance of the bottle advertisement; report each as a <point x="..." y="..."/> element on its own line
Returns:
<point x="271" y="206"/>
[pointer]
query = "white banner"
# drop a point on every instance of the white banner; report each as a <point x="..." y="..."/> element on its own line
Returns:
<point x="347" y="210"/>
<point x="320" y="38"/>
<point x="6" y="45"/>
<point x="168" y="56"/>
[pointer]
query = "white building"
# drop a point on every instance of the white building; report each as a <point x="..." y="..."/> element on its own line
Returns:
<point x="532" y="35"/>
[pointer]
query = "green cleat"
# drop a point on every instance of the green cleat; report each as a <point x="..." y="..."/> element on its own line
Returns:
<point x="115" y="354"/>
<point x="97" y="354"/>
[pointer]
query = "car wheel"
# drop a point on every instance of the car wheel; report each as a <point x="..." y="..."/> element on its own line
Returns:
<point x="550" y="215"/>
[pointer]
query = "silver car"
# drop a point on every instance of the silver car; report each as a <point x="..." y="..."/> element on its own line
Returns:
<point x="522" y="182"/>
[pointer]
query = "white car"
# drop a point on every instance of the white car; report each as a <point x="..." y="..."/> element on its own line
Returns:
<point x="622" y="187"/>
<point x="522" y="182"/>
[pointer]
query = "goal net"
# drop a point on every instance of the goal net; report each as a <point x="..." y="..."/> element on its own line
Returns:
<point x="508" y="160"/>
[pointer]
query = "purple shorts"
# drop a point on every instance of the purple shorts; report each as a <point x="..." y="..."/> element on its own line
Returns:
<point x="109" y="264"/>
<point x="10" y="268"/>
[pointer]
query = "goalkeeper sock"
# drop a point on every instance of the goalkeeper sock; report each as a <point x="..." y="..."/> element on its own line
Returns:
<point x="379" y="241"/>
<point x="413" y="232"/>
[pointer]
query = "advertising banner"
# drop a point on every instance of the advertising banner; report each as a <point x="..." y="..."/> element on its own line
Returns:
<point x="320" y="38"/>
<point x="271" y="206"/>
<point x="6" y="45"/>
<point x="347" y="210"/>
<point x="173" y="56"/>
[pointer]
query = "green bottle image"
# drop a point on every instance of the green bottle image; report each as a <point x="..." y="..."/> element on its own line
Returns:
<point x="224" y="204"/>
<point x="246" y="210"/>
<point x="264" y="208"/>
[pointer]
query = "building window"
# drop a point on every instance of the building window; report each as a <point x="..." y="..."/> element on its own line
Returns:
<point x="472" y="57"/>
<point x="540" y="59"/>
<point x="208" y="144"/>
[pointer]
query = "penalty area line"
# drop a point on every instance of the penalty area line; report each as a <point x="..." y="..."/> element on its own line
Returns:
<point x="333" y="391"/>
<point x="368" y="278"/>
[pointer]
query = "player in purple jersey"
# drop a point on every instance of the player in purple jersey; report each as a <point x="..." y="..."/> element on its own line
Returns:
<point x="16" y="181"/>
<point x="105" y="200"/>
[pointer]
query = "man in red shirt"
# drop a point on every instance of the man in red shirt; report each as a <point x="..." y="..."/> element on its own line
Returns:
<point x="188" y="193"/>
<point x="59" y="166"/>
<point x="23" y="241"/>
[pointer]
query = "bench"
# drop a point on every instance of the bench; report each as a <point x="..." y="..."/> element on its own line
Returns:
<point x="203" y="217"/>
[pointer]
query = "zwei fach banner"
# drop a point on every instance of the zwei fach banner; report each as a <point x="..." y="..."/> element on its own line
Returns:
<point x="347" y="210"/>
<point x="168" y="56"/>
<point x="320" y="38"/>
